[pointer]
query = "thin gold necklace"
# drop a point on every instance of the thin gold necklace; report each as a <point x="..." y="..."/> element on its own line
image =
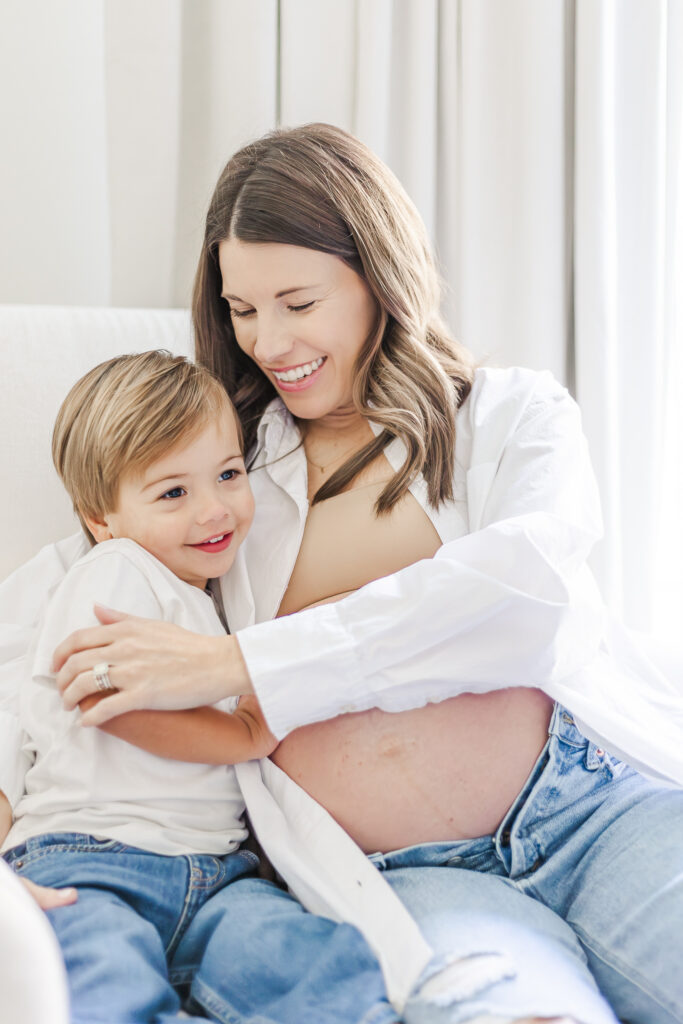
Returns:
<point x="331" y="462"/>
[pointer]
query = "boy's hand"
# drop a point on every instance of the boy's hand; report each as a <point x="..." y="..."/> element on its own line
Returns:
<point x="48" y="899"/>
<point x="45" y="898"/>
<point x="249" y="710"/>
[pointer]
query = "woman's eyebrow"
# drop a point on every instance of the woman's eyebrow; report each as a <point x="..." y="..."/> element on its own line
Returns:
<point x="278" y="295"/>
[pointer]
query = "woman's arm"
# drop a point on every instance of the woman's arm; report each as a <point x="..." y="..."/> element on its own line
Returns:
<point x="509" y="603"/>
<point x="201" y="735"/>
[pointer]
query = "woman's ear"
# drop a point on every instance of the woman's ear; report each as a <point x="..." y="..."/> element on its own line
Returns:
<point x="99" y="529"/>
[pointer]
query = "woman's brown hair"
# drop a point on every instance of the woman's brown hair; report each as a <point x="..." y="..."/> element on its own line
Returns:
<point x="318" y="187"/>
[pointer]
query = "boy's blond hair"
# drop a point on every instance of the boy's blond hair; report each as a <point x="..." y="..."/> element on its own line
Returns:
<point x="125" y="414"/>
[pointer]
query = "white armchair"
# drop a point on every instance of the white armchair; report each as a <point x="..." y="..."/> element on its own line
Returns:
<point x="44" y="350"/>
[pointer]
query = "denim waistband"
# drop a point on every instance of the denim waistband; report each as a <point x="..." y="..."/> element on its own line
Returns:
<point x="496" y="852"/>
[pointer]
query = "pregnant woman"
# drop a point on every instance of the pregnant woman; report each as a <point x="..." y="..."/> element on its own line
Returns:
<point x="439" y="712"/>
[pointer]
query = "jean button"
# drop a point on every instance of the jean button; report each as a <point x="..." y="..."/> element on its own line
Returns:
<point x="18" y="864"/>
<point x="599" y="752"/>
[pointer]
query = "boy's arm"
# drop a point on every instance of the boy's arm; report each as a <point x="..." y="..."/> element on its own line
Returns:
<point x="5" y="816"/>
<point x="202" y="735"/>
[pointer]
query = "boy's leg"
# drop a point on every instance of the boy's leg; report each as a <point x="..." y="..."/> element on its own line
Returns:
<point x="254" y="954"/>
<point x="115" y="958"/>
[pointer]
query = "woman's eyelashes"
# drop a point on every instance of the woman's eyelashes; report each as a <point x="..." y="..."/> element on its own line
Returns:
<point x="300" y="308"/>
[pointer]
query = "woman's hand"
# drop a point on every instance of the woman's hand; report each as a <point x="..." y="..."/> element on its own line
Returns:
<point x="152" y="665"/>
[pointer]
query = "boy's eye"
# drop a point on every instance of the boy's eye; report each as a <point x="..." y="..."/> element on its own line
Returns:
<point x="174" y="492"/>
<point x="228" y="474"/>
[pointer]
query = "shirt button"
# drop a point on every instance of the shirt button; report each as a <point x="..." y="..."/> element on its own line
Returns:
<point x="599" y="752"/>
<point x="18" y="864"/>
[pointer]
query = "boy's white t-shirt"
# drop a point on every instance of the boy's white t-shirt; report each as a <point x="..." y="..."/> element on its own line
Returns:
<point x="82" y="779"/>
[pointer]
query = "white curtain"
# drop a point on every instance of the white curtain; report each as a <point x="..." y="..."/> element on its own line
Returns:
<point x="540" y="140"/>
<point x="628" y="157"/>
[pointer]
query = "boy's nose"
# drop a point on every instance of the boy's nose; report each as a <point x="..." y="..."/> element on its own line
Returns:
<point x="212" y="511"/>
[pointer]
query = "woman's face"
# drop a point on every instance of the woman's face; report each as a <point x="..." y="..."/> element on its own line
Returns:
<point x="302" y="316"/>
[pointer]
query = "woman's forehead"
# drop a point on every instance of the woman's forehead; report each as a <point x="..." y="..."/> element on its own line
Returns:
<point x="273" y="267"/>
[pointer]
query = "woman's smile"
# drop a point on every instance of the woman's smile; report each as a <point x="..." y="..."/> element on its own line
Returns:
<point x="296" y="378"/>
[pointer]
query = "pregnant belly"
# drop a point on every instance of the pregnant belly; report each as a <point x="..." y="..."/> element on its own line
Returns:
<point x="442" y="772"/>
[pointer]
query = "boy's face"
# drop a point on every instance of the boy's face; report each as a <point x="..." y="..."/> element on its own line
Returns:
<point x="191" y="509"/>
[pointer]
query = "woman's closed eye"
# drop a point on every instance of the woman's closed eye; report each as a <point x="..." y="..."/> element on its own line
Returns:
<point x="300" y="308"/>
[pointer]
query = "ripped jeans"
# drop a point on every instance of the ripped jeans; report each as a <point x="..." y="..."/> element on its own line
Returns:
<point x="574" y="907"/>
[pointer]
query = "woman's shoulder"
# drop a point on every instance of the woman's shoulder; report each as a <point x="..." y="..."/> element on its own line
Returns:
<point x="511" y="394"/>
<point x="514" y="384"/>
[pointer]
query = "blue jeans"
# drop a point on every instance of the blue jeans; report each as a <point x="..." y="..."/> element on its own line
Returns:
<point x="574" y="907"/>
<point x="134" y="943"/>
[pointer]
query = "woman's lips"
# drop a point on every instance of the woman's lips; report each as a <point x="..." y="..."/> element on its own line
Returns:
<point x="302" y="383"/>
<point x="215" y="546"/>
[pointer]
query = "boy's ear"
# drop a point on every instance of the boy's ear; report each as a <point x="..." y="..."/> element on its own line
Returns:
<point x="99" y="529"/>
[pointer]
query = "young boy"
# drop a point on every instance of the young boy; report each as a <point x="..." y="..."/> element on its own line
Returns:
<point x="150" y="451"/>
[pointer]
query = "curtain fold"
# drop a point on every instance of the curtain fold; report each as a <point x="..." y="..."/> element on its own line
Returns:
<point x="627" y="159"/>
<point x="540" y="140"/>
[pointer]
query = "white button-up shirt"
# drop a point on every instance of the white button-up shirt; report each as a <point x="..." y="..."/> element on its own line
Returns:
<point x="507" y="601"/>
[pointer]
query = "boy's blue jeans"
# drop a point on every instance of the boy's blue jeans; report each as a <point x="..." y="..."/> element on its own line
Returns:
<point x="133" y="942"/>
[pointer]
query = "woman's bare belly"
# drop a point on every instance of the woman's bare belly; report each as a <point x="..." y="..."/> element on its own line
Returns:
<point x="441" y="772"/>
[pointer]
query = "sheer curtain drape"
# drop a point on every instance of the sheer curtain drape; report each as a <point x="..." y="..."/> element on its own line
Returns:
<point x="540" y="139"/>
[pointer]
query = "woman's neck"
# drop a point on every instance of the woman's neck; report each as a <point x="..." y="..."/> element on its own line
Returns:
<point x="336" y="426"/>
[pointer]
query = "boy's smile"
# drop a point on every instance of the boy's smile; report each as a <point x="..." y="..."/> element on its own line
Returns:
<point x="191" y="509"/>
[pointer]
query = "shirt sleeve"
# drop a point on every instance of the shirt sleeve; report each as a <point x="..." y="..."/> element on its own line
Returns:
<point x="22" y="597"/>
<point x="511" y="603"/>
<point x="108" y="577"/>
<point x="50" y="601"/>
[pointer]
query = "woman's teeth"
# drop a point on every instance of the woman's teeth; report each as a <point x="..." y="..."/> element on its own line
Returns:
<point x="289" y="376"/>
<point x="214" y="540"/>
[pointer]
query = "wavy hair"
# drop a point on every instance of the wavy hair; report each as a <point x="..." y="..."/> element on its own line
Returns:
<point x="318" y="187"/>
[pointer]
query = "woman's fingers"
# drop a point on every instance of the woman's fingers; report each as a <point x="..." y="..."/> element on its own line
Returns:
<point x="109" y="615"/>
<point x="76" y="677"/>
<point x="151" y="664"/>
<point x="111" y="707"/>
<point x="48" y="899"/>
<point x="82" y="640"/>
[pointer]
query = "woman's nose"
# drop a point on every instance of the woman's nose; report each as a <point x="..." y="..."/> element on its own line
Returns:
<point x="273" y="342"/>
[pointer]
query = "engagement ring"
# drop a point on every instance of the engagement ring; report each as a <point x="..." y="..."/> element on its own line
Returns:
<point x="101" y="673"/>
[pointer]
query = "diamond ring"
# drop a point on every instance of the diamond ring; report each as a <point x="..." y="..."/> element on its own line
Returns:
<point x="101" y="673"/>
